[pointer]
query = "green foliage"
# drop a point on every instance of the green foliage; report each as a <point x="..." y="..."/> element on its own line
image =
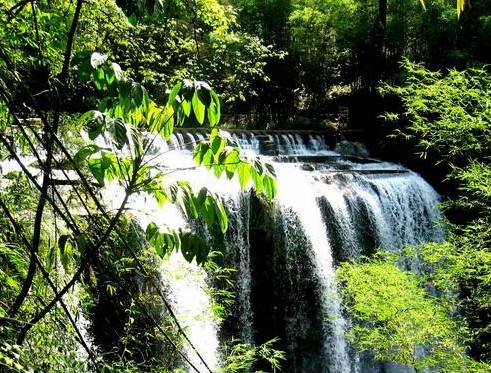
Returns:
<point x="397" y="320"/>
<point x="124" y="112"/>
<point x="241" y="357"/>
<point x="36" y="39"/>
<point x="461" y="267"/>
<point x="9" y="358"/>
<point x="16" y="193"/>
<point x="51" y="347"/>
<point x="338" y="48"/>
<point x="172" y="40"/>
<point x="217" y="156"/>
<point x="222" y="291"/>
<point x="450" y="123"/>
<point x="449" y="112"/>
<point x="21" y="40"/>
<point x="116" y="285"/>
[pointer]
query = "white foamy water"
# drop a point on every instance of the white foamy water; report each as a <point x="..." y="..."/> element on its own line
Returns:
<point x="297" y="194"/>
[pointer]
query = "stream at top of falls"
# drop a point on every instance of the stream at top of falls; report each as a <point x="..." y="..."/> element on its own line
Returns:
<point x="330" y="207"/>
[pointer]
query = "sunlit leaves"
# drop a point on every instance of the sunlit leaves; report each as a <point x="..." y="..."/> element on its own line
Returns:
<point x="214" y="109"/>
<point x="460" y="6"/>
<point x="103" y="167"/>
<point x="84" y="153"/>
<point x="199" y="108"/>
<point x="244" y="173"/>
<point x="173" y="93"/>
<point x="153" y="185"/>
<point x="190" y="245"/>
<point x="67" y="249"/>
<point x="124" y="111"/>
<point x="202" y="205"/>
<point x="160" y="120"/>
<point x="222" y="159"/>
<point x="107" y="166"/>
<point x="396" y="317"/>
<point x="195" y="101"/>
<point x="120" y="133"/>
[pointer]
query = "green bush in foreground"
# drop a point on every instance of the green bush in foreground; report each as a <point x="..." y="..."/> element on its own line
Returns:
<point x="397" y="320"/>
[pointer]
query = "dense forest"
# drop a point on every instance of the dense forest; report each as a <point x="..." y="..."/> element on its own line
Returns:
<point x="234" y="186"/>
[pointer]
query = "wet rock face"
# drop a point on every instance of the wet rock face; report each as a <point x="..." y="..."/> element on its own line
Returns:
<point x="353" y="149"/>
<point x="285" y="296"/>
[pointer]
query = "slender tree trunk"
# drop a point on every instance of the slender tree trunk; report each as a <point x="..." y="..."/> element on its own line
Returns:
<point x="382" y="31"/>
<point x="50" y="131"/>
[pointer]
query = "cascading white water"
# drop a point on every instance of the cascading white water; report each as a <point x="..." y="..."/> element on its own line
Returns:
<point x="297" y="194"/>
<point x="186" y="283"/>
<point x="339" y="209"/>
<point x="237" y="243"/>
<point x="399" y="209"/>
<point x="289" y="144"/>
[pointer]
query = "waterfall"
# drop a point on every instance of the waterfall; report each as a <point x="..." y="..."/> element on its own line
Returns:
<point x="297" y="195"/>
<point x="331" y="207"/>
<point x="364" y="212"/>
<point x="238" y="245"/>
<point x="186" y="283"/>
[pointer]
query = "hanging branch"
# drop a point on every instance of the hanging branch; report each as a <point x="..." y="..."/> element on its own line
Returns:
<point x="49" y="140"/>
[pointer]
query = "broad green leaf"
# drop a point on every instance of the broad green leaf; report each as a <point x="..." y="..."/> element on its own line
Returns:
<point x="232" y="161"/>
<point x="208" y="159"/>
<point x="216" y="101"/>
<point x="160" y="195"/>
<point x="81" y="241"/>
<point x="269" y="184"/>
<point x="199" y="152"/>
<point x="124" y="87"/>
<point x="257" y="179"/>
<point x="137" y="93"/>
<point x="173" y="93"/>
<point x="186" y="107"/>
<point x="151" y="230"/>
<point x="204" y="95"/>
<point x="118" y="132"/>
<point x="95" y="121"/>
<point x="218" y="143"/>
<point x="207" y="210"/>
<point x="100" y="167"/>
<point x="244" y="173"/>
<point x="198" y="108"/>
<point x="99" y="78"/>
<point x="62" y="241"/>
<point x="222" y="216"/>
<point x="84" y="153"/>
<point x="212" y="115"/>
